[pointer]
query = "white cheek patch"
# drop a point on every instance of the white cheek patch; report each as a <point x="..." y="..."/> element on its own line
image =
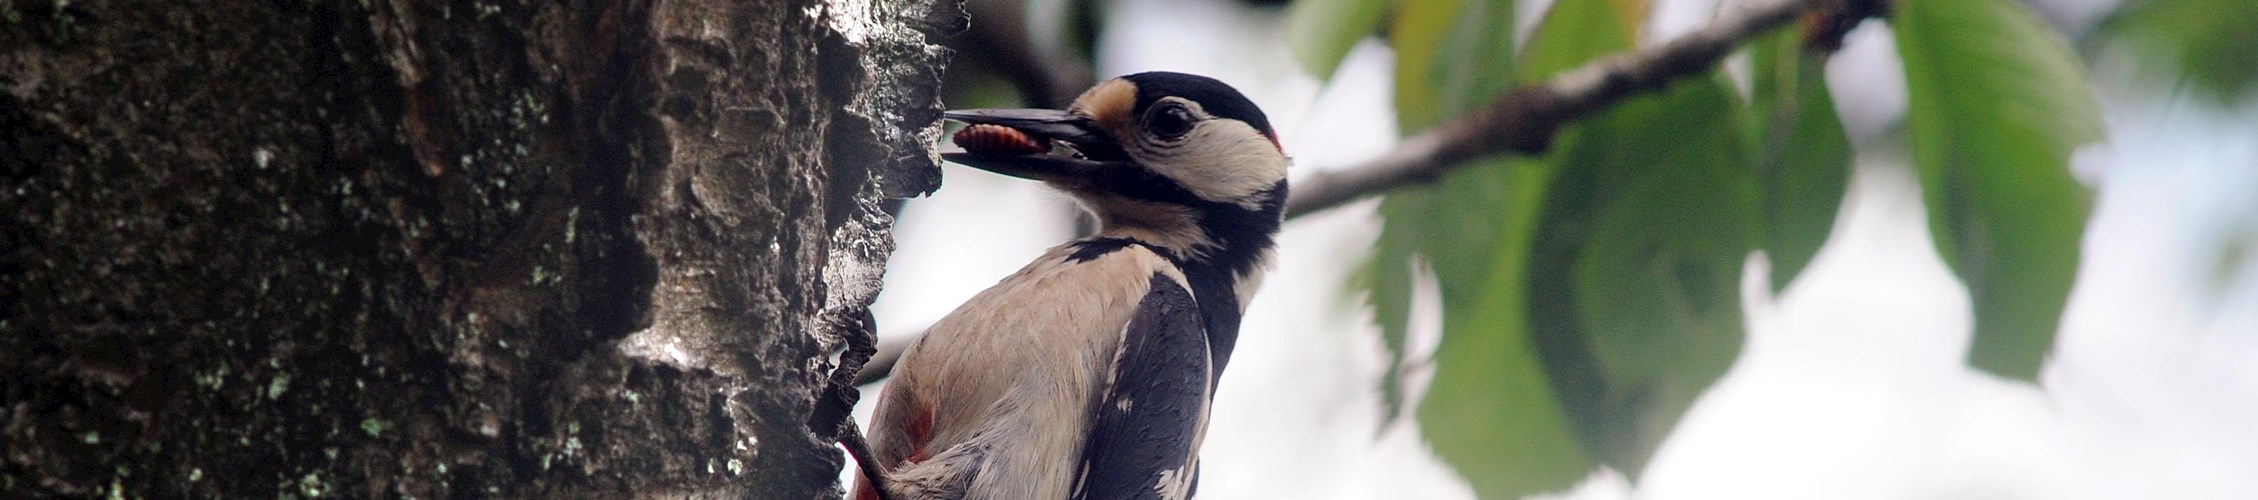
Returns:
<point x="1220" y="160"/>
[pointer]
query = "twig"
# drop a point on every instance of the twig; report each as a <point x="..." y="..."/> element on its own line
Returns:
<point x="1524" y="120"/>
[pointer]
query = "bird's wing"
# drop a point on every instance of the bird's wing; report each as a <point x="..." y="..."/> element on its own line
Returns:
<point x="1147" y="420"/>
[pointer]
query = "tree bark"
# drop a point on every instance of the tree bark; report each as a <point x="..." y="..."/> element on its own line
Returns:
<point x="397" y="248"/>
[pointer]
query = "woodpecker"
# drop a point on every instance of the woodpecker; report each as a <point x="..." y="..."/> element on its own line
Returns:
<point x="1087" y="374"/>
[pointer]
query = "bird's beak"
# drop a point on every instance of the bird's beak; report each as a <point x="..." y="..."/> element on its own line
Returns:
<point x="1092" y="150"/>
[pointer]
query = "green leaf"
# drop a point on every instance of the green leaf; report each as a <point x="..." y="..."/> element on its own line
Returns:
<point x="1475" y="62"/>
<point x="1804" y="156"/>
<point x="1490" y="411"/>
<point x="2207" y="42"/>
<point x="1630" y="13"/>
<point x="1614" y="290"/>
<point x="1636" y="272"/>
<point x="1573" y="33"/>
<point x="1417" y="37"/>
<point x="1997" y="104"/>
<point x="1321" y="32"/>
<point x="1450" y="55"/>
<point x="1610" y="299"/>
<point x="1454" y="226"/>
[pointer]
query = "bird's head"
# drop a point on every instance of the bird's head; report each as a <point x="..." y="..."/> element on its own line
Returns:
<point x="1181" y="161"/>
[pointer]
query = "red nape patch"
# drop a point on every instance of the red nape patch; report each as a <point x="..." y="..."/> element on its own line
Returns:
<point x="1273" y="136"/>
<point x="985" y="138"/>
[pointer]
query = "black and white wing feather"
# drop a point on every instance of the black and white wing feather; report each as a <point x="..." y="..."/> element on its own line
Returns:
<point x="1147" y="418"/>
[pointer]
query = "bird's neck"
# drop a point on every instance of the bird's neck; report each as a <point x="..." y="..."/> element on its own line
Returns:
<point x="1231" y="239"/>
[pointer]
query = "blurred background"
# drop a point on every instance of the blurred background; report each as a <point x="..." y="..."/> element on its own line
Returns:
<point x="1851" y="381"/>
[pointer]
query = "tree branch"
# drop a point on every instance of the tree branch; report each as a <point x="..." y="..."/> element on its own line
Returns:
<point x="1524" y="120"/>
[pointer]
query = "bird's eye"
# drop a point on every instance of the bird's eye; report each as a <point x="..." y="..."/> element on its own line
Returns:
<point x="1170" y="122"/>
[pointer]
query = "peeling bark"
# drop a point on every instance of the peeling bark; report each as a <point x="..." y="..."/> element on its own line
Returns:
<point x="387" y="248"/>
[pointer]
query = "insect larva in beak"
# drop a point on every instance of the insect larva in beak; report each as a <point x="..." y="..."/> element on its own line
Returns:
<point x="987" y="138"/>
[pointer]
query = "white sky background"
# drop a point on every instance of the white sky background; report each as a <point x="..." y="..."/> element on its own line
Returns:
<point x="1851" y="384"/>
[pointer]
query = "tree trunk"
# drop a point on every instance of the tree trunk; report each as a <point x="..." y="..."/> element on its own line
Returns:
<point x="392" y="248"/>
